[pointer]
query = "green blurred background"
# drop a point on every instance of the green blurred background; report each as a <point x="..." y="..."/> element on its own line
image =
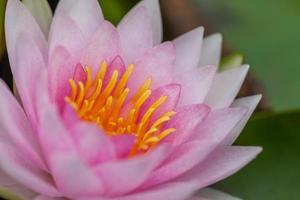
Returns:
<point x="267" y="33"/>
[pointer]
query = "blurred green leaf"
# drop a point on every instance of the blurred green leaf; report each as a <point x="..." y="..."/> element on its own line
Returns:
<point x="275" y="174"/>
<point x="267" y="33"/>
<point x="231" y="61"/>
<point x="114" y="10"/>
<point x="2" y="37"/>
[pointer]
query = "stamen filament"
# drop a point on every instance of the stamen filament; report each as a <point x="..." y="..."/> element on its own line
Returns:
<point x="108" y="107"/>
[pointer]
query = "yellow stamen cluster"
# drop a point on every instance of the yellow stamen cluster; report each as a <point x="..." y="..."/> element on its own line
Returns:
<point x="104" y="105"/>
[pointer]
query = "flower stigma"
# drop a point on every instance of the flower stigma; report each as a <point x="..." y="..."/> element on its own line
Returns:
<point x="105" y="105"/>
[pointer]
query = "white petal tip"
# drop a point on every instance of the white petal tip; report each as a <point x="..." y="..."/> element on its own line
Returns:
<point x="255" y="151"/>
<point x="153" y="9"/>
<point x="199" y="29"/>
<point x="246" y="66"/>
<point x="218" y="37"/>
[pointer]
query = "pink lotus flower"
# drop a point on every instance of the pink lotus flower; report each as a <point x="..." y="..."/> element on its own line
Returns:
<point x="110" y="113"/>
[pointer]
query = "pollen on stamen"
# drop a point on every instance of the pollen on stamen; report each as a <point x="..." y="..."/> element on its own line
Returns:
<point x="102" y="105"/>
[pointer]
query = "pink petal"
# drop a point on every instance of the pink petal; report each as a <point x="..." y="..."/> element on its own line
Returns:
<point x="67" y="168"/>
<point x="224" y="162"/>
<point x="104" y="45"/>
<point x="172" y="191"/>
<point x="197" y="198"/>
<point x="225" y="87"/>
<point x="123" y="176"/>
<point x="172" y="91"/>
<point x="247" y="102"/>
<point x="185" y="121"/>
<point x="13" y="164"/>
<point x="50" y="121"/>
<point x="135" y="34"/>
<point x="209" y="193"/>
<point x="73" y="177"/>
<point x="116" y="64"/>
<point x="202" y="78"/>
<point x="210" y="133"/>
<point x="61" y="68"/>
<point x="211" y="50"/>
<point x="66" y="43"/>
<point x="15" y="123"/>
<point x="26" y="69"/>
<point x="41" y="12"/>
<point x="48" y="198"/>
<point x="219" y="124"/>
<point x="123" y="144"/>
<point x="93" y="145"/>
<point x="182" y="159"/>
<point x="153" y="9"/>
<point x="157" y="63"/>
<point x="70" y="117"/>
<point x="11" y="186"/>
<point x="18" y="20"/>
<point x="86" y="14"/>
<point x="64" y="32"/>
<point x="188" y="50"/>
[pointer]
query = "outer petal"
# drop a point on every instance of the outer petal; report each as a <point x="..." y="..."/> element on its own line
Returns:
<point x="195" y="84"/>
<point x="197" y="198"/>
<point x="248" y="102"/>
<point x="182" y="159"/>
<point x="93" y="145"/>
<point x="19" y="20"/>
<point x="174" y="191"/>
<point x="26" y="68"/>
<point x="135" y="34"/>
<point x="66" y="33"/>
<point x="41" y="12"/>
<point x="48" y="198"/>
<point x="104" y="45"/>
<point x="211" y="51"/>
<point x="170" y="191"/>
<point x="185" y="121"/>
<point x="67" y="168"/>
<point x="66" y="43"/>
<point x="187" y="155"/>
<point x="188" y="50"/>
<point x="209" y="193"/>
<point x="25" y="64"/>
<point x="124" y="176"/>
<point x="13" y="164"/>
<point x="17" y="127"/>
<point x="225" y="87"/>
<point x="10" y="189"/>
<point x="153" y="9"/>
<point x="86" y="14"/>
<point x="222" y="163"/>
<point x="73" y="177"/>
<point x="218" y="124"/>
<point x="157" y="63"/>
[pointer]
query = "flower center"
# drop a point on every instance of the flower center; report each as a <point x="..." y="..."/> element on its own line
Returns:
<point x="106" y="107"/>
